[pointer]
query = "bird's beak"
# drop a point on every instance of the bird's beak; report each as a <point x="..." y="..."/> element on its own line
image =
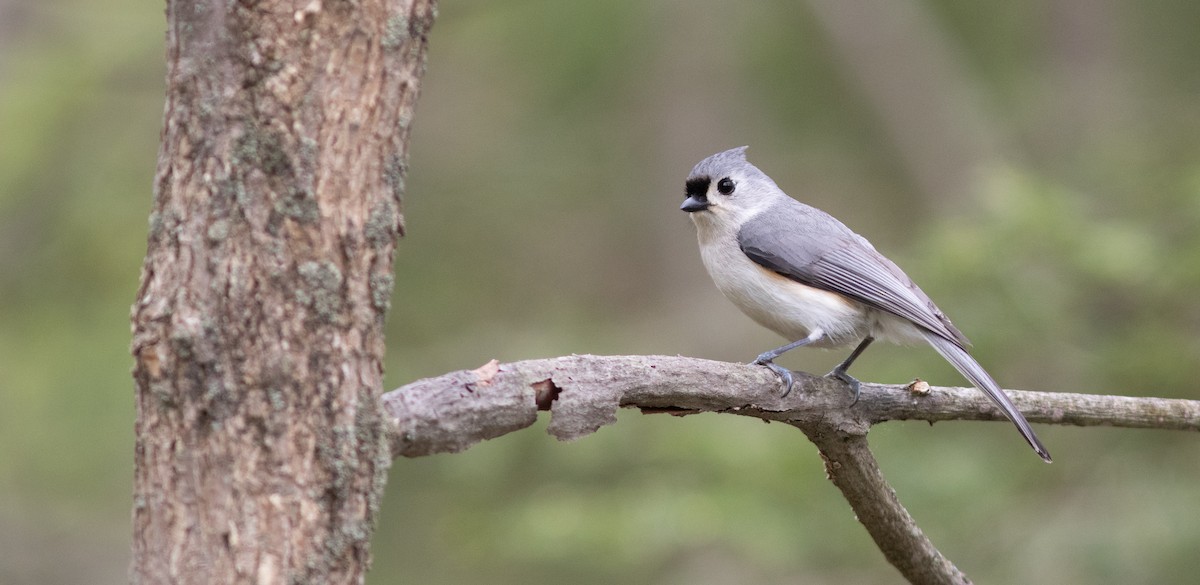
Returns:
<point x="694" y="203"/>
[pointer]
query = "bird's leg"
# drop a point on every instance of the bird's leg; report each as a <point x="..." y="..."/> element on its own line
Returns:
<point x="840" y="371"/>
<point x="766" y="358"/>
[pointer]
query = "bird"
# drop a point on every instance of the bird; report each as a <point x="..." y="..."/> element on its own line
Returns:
<point x="803" y="274"/>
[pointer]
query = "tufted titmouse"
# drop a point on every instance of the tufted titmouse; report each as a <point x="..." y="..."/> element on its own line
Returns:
<point x="801" y="273"/>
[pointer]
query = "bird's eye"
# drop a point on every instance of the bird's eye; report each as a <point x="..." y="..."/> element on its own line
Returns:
<point x="725" y="186"/>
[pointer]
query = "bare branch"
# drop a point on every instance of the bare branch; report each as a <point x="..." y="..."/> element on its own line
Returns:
<point x="450" y="413"/>
<point x="454" y="411"/>
<point x="851" y="466"/>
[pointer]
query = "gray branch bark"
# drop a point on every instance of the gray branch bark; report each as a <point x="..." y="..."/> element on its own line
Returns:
<point x="450" y="413"/>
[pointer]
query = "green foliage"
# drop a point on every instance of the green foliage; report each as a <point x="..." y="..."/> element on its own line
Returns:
<point x="540" y="210"/>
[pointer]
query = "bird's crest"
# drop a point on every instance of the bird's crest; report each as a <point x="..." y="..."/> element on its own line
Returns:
<point x="720" y="162"/>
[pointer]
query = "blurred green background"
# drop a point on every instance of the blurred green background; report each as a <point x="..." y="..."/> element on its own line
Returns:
<point x="1034" y="165"/>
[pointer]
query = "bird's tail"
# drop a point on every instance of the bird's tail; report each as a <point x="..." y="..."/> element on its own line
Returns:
<point x="968" y="367"/>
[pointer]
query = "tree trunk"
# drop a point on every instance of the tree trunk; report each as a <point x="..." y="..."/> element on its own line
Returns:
<point x="261" y="451"/>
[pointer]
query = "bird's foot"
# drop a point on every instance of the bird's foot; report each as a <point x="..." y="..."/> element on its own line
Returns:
<point x="784" y="374"/>
<point x="851" y="381"/>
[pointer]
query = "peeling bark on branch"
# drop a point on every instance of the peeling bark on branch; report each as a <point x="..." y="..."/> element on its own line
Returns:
<point x="450" y="413"/>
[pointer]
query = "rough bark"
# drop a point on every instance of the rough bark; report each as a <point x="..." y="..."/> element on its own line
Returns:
<point x="261" y="448"/>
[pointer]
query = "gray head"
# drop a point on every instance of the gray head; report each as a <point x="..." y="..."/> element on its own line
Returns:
<point x="725" y="190"/>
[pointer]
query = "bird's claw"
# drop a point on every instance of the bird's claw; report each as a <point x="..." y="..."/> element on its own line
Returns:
<point x="850" y="381"/>
<point x="784" y="374"/>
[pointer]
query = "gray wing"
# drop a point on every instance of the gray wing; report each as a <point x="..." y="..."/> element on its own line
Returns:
<point x="813" y="248"/>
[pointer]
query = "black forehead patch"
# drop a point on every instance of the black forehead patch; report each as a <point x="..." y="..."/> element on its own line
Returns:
<point x="697" y="186"/>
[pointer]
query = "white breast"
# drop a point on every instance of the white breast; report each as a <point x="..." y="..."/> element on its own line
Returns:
<point x="778" y="303"/>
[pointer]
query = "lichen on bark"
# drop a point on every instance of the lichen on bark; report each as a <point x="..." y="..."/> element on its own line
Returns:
<point x="262" y="448"/>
